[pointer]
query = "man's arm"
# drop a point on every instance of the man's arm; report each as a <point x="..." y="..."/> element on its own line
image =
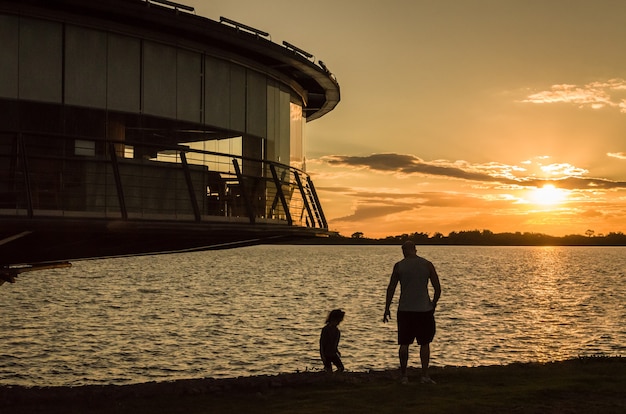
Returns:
<point x="434" y="280"/>
<point x="391" y="290"/>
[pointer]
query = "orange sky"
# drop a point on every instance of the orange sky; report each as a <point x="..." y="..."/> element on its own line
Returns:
<point x="455" y="113"/>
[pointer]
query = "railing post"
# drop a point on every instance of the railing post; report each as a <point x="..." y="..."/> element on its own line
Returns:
<point x="305" y="199"/>
<point x="192" y="194"/>
<point x="244" y="194"/>
<point x="276" y="196"/>
<point x="26" y="172"/>
<point x="318" y="206"/>
<point x="118" y="181"/>
<point x="279" y="190"/>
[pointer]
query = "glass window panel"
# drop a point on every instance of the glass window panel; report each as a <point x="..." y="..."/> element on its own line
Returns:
<point x="40" y="60"/>
<point x="9" y="115"/>
<point x="123" y="73"/>
<point x="159" y="80"/>
<point x="189" y="86"/>
<point x="237" y="98"/>
<point x="85" y="148"/>
<point x="217" y="95"/>
<point x="273" y="110"/>
<point x="84" y="122"/>
<point x="256" y="105"/>
<point x="283" y="127"/>
<point x="85" y="67"/>
<point x="296" y="136"/>
<point x="8" y="56"/>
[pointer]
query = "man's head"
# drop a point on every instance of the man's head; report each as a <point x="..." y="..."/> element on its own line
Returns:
<point x="408" y="248"/>
<point x="335" y="316"/>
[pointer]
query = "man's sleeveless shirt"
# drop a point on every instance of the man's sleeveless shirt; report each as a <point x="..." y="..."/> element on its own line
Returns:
<point x="413" y="273"/>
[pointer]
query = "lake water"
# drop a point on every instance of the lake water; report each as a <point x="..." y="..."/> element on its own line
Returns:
<point x="259" y="310"/>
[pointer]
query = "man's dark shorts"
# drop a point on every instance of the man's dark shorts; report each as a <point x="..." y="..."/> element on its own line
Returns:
<point x="418" y="326"/>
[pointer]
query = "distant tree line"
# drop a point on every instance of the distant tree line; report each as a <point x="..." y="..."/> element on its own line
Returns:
<point x="486" y="238"/>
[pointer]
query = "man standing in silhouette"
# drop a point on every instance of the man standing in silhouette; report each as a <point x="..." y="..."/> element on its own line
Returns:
<point x="416" y="310"/>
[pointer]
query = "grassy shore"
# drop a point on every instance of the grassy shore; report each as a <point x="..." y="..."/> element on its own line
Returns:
<point x="584" y="385"/>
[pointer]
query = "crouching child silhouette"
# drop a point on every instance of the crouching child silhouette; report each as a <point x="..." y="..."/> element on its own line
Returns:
<point x="329" y="341"/>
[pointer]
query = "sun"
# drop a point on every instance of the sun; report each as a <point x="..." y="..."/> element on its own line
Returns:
<point x="548" y="195"/>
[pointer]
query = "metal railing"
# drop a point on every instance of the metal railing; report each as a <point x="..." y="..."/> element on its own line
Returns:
<point x="43" y="175"/>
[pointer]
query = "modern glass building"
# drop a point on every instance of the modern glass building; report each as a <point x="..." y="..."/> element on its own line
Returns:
<point x="134" y="126"/>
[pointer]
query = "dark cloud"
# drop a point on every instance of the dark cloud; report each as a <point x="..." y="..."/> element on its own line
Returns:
<point x="346" y="190"/>
<point x="381" y="162"/>
<point x="409" y="164"/>
<point x="577" y="183"/>
<point x="453" y="200"/>
<point x="368" y="212"/>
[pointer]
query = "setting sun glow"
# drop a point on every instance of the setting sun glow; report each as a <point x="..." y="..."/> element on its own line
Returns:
<point x="548" y="195"/>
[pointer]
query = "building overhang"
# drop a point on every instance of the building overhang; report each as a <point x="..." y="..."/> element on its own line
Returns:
<point x="168" y="23"/>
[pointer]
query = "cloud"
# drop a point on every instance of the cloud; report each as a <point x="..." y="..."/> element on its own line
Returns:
<point x="369" y="211"/>
<point x="409" y="164"/>
<point x="595" y="95"/>
<point x="592" y="214"/>
<point x="578" y="183"/>
<point x="571" y="177"/>
<point x="618" y="155"/>
<point x="563" y="169"/>
<point x="341" y="190"/>
<point x="377" y="205"/>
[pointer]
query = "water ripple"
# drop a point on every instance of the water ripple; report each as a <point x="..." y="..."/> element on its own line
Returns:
<point x="258" y="310"/>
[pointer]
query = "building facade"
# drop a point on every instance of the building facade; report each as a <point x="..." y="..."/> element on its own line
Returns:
<point x="136" y="120"/>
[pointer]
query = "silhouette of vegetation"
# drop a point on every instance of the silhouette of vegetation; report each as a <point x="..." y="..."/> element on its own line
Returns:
<point x="483" y="238"/>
